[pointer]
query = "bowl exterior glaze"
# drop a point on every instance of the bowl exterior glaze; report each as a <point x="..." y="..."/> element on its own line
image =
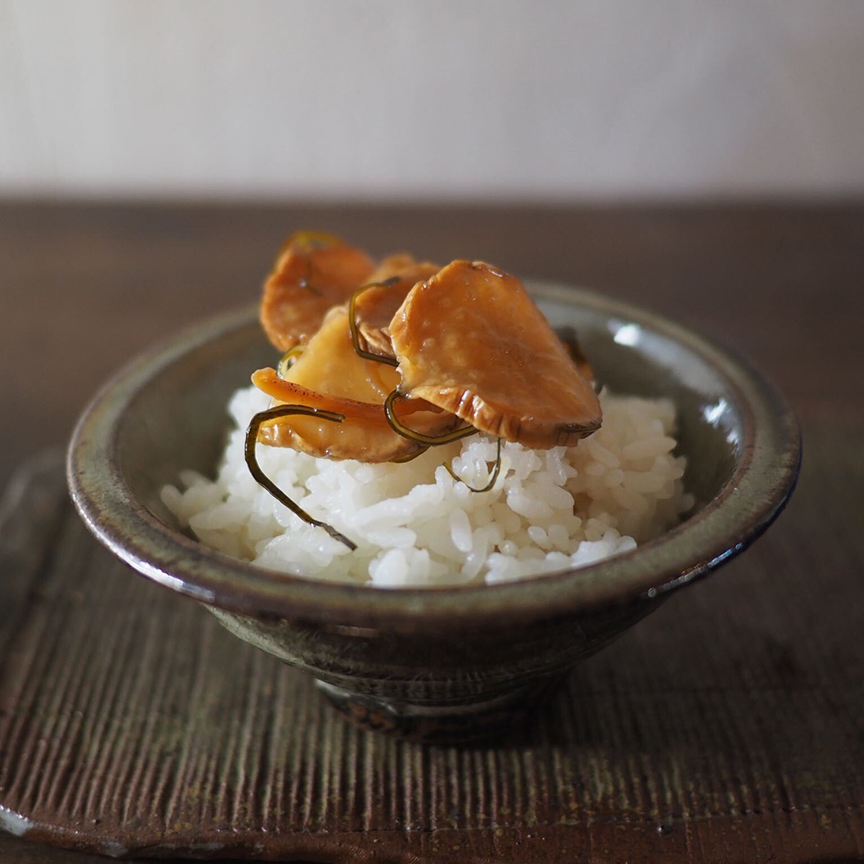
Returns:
<point x="438" y="687"/>
<point x="444" y="663"/>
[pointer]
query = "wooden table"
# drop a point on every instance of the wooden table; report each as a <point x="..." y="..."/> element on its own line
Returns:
<point x="85" y="287"/>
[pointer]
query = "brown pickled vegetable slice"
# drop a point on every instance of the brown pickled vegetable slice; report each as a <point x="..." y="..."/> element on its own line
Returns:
<point x="314" y="272"/>
<point x="471" y="341"/>
<point x="375" y="306"/>
<point x="287" y="393"/>
<point x="328" y="375"/>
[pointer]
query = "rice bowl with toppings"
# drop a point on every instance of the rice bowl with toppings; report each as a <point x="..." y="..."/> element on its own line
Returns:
<point x="502" y="460"/>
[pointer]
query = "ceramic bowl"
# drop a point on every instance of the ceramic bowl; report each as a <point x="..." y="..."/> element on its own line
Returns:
<point x="435" y="663"/>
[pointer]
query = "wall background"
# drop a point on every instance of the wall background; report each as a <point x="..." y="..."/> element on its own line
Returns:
<point x="432" y="99"/>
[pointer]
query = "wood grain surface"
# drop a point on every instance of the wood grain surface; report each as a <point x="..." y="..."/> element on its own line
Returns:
<point x="727" y="727"/>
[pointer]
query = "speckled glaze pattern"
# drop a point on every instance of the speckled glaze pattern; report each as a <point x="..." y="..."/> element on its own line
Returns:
<point x="460" y="689"/>
<point x="444" y="663"/>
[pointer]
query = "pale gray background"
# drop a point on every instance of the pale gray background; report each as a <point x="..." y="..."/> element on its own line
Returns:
<point x="426" y="99"/>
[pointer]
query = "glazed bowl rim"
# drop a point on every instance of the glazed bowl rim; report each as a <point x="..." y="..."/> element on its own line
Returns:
<point x="750" y="500"/>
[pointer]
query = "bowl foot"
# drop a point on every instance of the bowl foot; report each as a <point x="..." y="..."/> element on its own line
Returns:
<point x="465" y="722"/>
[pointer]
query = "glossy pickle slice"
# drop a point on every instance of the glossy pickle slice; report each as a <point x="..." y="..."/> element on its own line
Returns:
<point x="471" y="341"/>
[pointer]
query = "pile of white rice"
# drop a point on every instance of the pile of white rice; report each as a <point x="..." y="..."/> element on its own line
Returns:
<point x="414" y="525"/>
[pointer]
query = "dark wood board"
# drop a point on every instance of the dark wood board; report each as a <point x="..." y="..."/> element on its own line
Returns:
<point x="726" y="727"/>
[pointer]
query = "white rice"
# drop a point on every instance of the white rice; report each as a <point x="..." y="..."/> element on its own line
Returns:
<point x="415" y="526"/>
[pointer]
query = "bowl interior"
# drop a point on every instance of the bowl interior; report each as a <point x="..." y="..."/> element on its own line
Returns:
<point x="178" y="419"/>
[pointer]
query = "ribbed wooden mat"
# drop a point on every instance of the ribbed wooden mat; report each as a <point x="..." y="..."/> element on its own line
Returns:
<point x="726" y="727"/>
